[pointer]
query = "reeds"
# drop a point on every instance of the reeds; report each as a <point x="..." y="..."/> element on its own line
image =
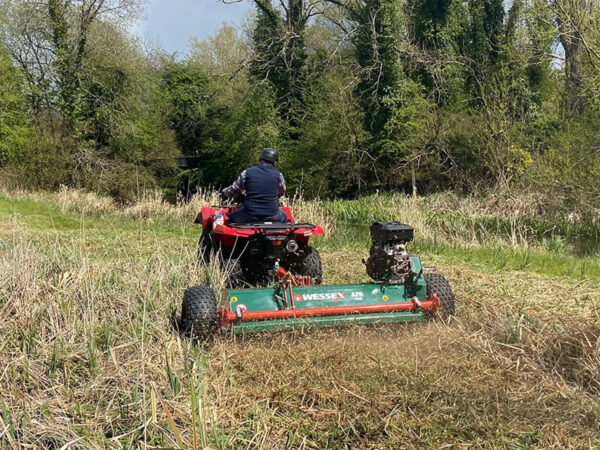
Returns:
<point x="149" y="207"/>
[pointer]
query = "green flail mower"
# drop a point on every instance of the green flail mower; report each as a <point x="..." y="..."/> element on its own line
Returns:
<point x="402" y="290"/>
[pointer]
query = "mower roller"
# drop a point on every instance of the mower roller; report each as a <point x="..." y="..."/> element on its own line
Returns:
<point x="402" y="290"/>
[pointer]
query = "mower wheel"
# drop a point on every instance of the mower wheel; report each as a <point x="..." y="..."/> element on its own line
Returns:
<point x="438" y="285"/>
<point x="309" y="264"/>
<point x="205" y="246"/>
<point x="199" y="313"/>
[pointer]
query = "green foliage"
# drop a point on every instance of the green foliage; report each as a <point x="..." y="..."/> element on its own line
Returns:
<point x="122" y="117"/>
<point x="14" y="124"/>
<point x="430" y="21"/>
<point x="405" y="129"/>
<point x="110" y="135"/>
<point x="187" y="88"/>
<point x="227" y="132"/>
<point x="437" y="41"/>
<point x="563" y="171"/>
<point x="327" y="158"/>
<point x="68" y="59"/>
<point x="45" y="163"/>
<point x="250" y="126"/>
<point x="377" y="42"/>
<point x="124" y="106"/>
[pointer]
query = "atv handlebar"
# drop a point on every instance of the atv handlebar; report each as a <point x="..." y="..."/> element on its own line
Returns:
<point x="227" y="202"/>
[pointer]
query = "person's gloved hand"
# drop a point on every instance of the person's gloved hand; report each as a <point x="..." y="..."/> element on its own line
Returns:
<point x="239" y="199"/>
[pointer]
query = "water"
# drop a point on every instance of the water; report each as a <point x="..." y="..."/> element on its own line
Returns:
<point x="582" y="247"/>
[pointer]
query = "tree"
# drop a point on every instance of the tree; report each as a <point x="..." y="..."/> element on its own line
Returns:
<point x="224" y="57"/>
<point x="189" y="90"/>
<point x="538" y="20"/>
<point x="14" y="123"/>
<point x="577" y="23"/>
<point x="331" y="157"/>
<point x="49" y="39"/>
<point x="280" y="53"/>
<point x="96" y="101"/>
<point x="377" y="42"/>
<point x="485" y="39"/>
<point x="435" y="42"/>
<point x="217" y="114"/>
<point x="429" y="21"/>
<point x="393" y="104"/>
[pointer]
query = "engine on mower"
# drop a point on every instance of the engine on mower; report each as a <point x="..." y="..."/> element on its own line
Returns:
<point x="388" y="260"/>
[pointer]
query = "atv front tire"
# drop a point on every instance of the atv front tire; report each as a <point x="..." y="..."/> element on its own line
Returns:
<point x="438" y="285"/>
<point x="199" y="313"/>
<point x="309" y="263"/>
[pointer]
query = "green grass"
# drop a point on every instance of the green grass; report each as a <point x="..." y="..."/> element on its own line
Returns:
<point x="501" y="258"/>
<point x="111" y="236"/>
<point x="46" y="216"/>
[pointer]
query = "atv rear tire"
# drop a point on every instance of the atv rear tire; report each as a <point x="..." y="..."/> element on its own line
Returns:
<point x="205" y="246"/>
<point x="232" y="268"/>
<point x="308" y="264"/>
<point x="438" y="285"/>
<point x="199" y="313"/>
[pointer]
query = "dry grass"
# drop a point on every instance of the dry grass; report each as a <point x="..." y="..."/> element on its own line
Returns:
<point x="508" y="203"/>
<point x="150" y="207"/>
<point x="312" y="212"/>
<point x="89" y="357"/>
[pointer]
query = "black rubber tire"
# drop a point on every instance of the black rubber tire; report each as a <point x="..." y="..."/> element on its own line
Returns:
<point x="309" y="264"/>
<point x="232" y="268"/>
<point x="205" y="246"/>
<point x="199" y="313"/>
<point x="438" y="285"/>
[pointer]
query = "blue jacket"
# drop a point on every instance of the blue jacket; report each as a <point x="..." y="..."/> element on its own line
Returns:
<point x="261" y="185"/>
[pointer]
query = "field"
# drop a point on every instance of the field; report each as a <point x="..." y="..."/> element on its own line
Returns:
<point x="89" y="356"/>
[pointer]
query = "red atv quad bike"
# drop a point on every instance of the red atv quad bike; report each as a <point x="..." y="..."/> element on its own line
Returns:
<point x="250" y="253"/>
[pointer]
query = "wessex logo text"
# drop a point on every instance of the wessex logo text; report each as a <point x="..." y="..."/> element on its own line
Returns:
<point x="335" y="296"/>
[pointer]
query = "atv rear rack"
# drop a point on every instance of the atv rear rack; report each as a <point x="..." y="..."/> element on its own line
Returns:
<point x="272" y="226"/>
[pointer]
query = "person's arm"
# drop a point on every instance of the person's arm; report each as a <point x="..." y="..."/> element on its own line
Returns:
<point x="281" y="184"/>
<point x="237" y="188"/>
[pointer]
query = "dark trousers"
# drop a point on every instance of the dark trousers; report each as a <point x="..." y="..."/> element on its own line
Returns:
<point x="241" y="216"/>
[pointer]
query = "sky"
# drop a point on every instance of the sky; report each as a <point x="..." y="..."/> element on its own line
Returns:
<point x="172" y="23"/>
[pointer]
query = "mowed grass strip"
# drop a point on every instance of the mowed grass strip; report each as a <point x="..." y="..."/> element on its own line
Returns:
<point x="89" y="354"/>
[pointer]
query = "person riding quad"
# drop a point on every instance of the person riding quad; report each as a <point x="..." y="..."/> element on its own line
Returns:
<point x="261" y="186"/>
